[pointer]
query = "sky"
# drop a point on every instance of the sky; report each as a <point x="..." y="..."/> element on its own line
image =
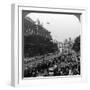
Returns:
<point x="61" y="26"/>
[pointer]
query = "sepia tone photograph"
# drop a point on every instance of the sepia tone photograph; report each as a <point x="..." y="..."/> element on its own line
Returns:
<point x="51" y="44"/>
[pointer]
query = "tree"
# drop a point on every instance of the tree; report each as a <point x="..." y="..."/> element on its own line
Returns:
<point x="76" y="45"/>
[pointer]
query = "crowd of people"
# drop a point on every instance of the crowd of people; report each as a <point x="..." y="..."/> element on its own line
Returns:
<point x="63" y="64"/>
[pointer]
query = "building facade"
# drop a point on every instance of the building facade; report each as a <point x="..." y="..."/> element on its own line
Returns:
<point x="33" y="28"/>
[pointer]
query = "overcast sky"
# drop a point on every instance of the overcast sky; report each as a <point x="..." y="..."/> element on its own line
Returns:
<point x="61" y="26"/>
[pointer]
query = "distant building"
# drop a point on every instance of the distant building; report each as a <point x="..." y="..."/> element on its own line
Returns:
<point x="66" y="46"/>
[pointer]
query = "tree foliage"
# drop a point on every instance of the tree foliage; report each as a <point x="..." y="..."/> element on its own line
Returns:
<point x="76" y="45"/>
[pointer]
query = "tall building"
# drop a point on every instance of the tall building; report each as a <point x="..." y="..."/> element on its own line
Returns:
<point x="31" y="28"/>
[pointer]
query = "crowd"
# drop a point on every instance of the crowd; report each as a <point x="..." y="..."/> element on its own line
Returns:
<point x="63" y="64"/>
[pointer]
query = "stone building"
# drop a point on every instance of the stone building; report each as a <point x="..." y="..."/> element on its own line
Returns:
<point x="31" y="28"/>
